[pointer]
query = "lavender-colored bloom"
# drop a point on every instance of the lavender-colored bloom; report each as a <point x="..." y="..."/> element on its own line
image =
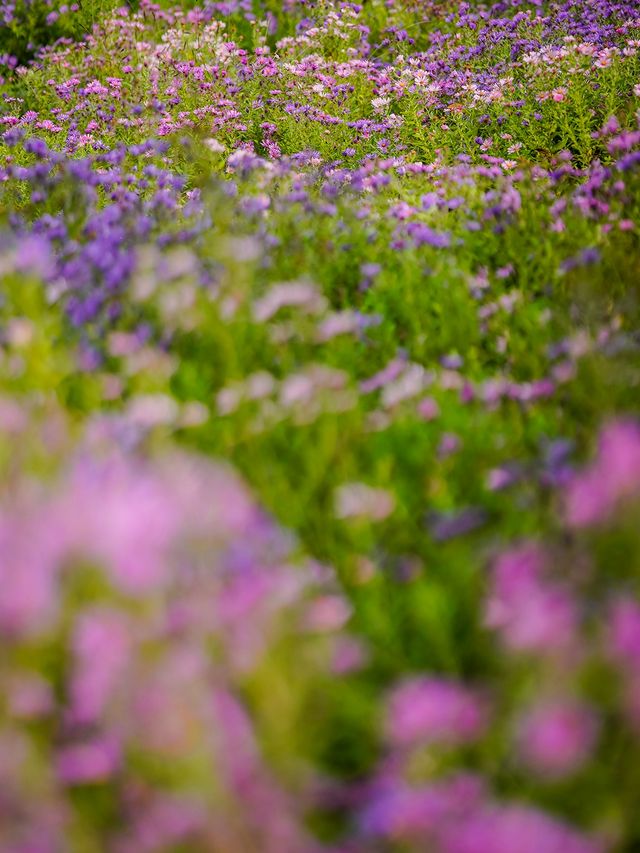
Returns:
<point x="423" y="235"/>
<point x="33" y="254"/>
<point x="445" y="526"/>
<point x="420" y="814"/>
<point x="370" y="270"/>
<point x="388" y="374"/>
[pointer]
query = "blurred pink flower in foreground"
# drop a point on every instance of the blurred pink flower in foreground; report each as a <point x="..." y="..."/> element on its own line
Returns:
<point x="531" y="612"/>
<point x="556" y="738"/>
<point x="149" y="588"/>
<point x="431" y="710"/>
<point x="516" y="829"/>
<point x="615" y="474"/>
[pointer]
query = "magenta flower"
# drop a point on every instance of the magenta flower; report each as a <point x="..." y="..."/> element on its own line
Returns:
<point x="102" y="645"/>
<point x="30" y="549"/>
<point x="615" y="474"/>
<point x="421" y="814"/>
<point x="624" y="633"/>
<point x="516" y="829"/>
<point x="29" y="696"/>
<point x="556" y="738"/>
<point x="88" y="762"/>
<point x="432" y="710"/>
<point x="530" y="612"/>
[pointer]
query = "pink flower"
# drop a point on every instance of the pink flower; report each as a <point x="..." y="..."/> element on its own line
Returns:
<point x="434" y="710"/>
<point x="327" y="613"/>
<point x="29" y="696"/>
<point x="428" y="409"/>
<point x="624" y="633"/>
<point x="349" y="655"/>
<point x="401" y="813"/>
<point x="102" y="646"/>
<point x="90" y="762"/>
<point x="613" y="476"/>
<point x="556" y="738"/>
<point x="531" y="613"/>
<point x="516" y="829"/>
<point x="30" y="548"/>
<point x="164" y="822"/>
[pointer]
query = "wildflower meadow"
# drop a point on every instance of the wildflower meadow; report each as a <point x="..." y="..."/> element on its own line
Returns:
<point x="320" y="426"/>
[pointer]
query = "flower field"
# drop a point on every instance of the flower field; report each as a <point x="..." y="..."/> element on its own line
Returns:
<point x="320" y="426"/>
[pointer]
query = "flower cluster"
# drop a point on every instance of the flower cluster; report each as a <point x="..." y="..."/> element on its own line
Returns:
<point x="143" y="600"/>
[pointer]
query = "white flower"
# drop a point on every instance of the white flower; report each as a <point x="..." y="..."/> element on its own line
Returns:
<point x="380" y="104"/>
<point x="357" y="500"/>
<point x="214" y="145"/>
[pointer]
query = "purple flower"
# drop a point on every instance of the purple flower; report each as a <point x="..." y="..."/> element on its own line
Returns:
<point x="422" y="235"/>
<point x="444" y="526"/>
<point x="421" y="814"/>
